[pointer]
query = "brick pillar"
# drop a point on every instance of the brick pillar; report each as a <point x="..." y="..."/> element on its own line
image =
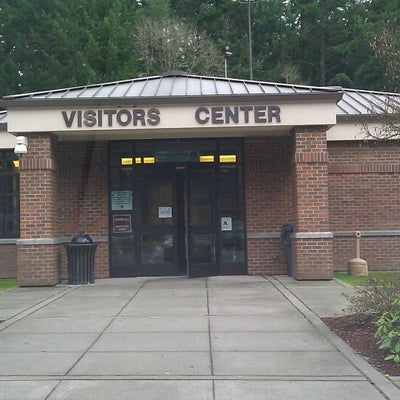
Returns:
<point x="312" y="243"/>
<point x="38" y="250"/>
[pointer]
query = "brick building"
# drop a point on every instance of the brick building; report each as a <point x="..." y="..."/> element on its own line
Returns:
<point x="189" y="175"/>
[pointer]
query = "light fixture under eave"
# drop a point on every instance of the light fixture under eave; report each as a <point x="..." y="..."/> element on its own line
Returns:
<point x="148" y="160"/>
<point x="207" y="158"/>
<point x="21" y="146"/>
<point x="227" y="158"/>
<point x="126" y="161"/>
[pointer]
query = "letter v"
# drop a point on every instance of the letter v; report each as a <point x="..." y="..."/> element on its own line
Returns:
<point x="68" y="120"/>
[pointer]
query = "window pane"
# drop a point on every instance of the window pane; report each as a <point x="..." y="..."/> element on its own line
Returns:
<point x="230" y="196"/>
<point x="157" y="207"/>
<point x="11" y="205"/>
<point x="157" y="249"/>
<point x="121" y="178"/>
<point x="229" y="192"/>
<point x="9" y="194"/>
<point x="203" y="248"/>
<point x="201" y="198"/>
<point x="10" y="226"/>
<point x="232" y="247"/>
<point x="8" y="164"/>
<point x="122" y="251"/>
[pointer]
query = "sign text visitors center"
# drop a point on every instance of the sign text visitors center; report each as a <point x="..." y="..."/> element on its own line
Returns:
<point x="140" y="117"/>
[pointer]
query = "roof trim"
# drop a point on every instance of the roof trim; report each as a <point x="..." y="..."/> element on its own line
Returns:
<point x="171" y="100"/>
<point x="362" y="118"/>
<point x="3" y="120"/>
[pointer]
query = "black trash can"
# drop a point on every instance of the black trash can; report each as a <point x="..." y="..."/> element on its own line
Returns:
<point x="286" y="230"/>
<point x="80" y="257"/>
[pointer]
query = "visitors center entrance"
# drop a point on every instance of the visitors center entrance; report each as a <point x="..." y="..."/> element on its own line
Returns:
<point x="176" y="208"/>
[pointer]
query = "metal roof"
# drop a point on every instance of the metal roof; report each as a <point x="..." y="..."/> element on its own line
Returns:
<point x="363" y="102"/>
<point x="172" y="84"/>
<point x="179" y="85"/>
<point x="3" y="119"/>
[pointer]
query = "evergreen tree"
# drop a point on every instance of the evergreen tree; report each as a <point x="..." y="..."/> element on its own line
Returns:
<point x="57" y="43"/>
<point x="53" y="43"/>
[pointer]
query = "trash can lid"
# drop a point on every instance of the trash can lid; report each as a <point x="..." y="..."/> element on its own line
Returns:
<point x="81" y="238"/>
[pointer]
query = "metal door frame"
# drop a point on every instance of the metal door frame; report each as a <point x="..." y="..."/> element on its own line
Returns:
<point x="138" y="173"/>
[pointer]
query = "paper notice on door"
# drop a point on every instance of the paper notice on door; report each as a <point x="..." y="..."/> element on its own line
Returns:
<point x="226" y="223"/>
<point x="164" y="212"/>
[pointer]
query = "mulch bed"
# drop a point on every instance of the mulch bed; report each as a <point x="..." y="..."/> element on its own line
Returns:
<point x="358" y="333"/>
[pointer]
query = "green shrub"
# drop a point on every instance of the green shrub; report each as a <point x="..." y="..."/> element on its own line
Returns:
<point x="388" y="331"/>
<point x="375" y="297"/>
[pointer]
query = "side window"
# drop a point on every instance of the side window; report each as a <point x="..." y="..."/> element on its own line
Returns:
<point x="9" y="194"/>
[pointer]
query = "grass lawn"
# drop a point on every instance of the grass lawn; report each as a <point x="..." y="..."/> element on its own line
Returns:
<point x="7" y="284"/>
<point x="362" y="280"/>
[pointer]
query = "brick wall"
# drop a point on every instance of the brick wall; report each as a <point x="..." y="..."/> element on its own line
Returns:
<point x="64" y="190"/>
<point x="265" y="256"/>
<point x="381" y="253"/>
<point x="364" y="194"/>
<point x="311" y="180"/>
<point x="8" y="261"/>
<point x="312" y="255"/>
<point x="268" y="199"/>
<point x="39" y="265"/>
<point x="39" y="214"/>
<point x="38" y="195"/>
<point x="83" y="200"/>
<point x="312" y="258"/>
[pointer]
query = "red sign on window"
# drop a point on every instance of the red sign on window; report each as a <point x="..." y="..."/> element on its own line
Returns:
<point x="122" y="223"/>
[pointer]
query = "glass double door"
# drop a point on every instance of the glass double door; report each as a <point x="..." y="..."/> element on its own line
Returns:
<point x="185" y="220"/>
<point x="177" y="228"/>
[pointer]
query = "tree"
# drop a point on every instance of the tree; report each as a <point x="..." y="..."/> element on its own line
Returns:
<point x="275" y="41"/>
<point x="225" y="23"/>
<point x="386" y="46"/>
<point x="386" y="110"/>
<point x="372" y="72"/>
<point x="52" y="43"/>
<point x="330" y="36"/>
<point x="167" y="43"/>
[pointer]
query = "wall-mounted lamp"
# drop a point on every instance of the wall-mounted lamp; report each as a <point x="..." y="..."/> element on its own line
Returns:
<point x="21" y="146"/>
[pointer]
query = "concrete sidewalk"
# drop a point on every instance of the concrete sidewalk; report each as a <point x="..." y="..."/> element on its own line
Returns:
<point x="215" y="338"/>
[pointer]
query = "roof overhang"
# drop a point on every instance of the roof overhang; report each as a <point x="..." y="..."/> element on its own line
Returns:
<point x="14" y="103"/>
<point x="3" y="120"/>
<point x="173" y="116"/>
<point x="353" y="128"/>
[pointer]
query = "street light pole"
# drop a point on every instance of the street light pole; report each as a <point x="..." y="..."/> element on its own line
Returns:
<point x="227" y="54"/>
<point x="250" y="41"/>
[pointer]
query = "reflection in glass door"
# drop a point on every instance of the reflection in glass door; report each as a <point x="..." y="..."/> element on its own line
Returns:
<point x="201" y="223"/>
<point x="157" y="222"/>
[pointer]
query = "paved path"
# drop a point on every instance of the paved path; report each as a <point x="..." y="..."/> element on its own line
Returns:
<point x="219" y="338"/>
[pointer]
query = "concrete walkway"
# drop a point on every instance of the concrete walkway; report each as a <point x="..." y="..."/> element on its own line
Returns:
<point x="219" y="338"/>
